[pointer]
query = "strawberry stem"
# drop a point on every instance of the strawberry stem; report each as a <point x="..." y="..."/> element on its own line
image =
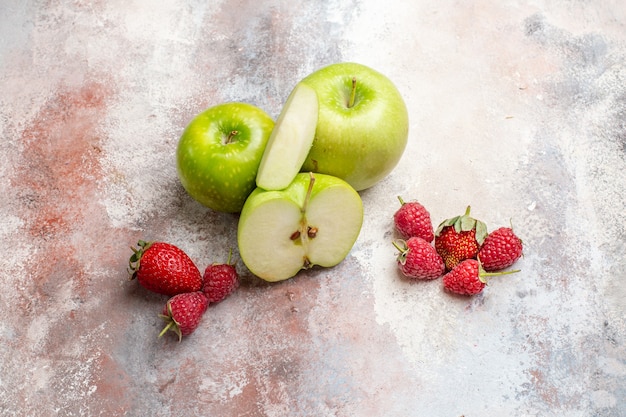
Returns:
<point x="168" y="326"/>
<point x="397" y="246"/>
<point x="466" y="222"/>
<point x="401" y="200"/>
<point x="403" y="250"/>
<point x="230" y="255"/>
<point x="482" y="274"/>
<point x="494" y="274"/>
<point x="171" y="323"/>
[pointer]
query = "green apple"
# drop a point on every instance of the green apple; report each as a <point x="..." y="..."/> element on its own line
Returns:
<point x="290" y="140"/>
<point x="362" y="126"/>
<point x="314" y="221"/>
<point x="219" y="153"/>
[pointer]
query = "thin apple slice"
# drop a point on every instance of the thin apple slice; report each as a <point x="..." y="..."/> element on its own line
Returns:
<point x="314" y="221"/>
<point x="290" y="140"/>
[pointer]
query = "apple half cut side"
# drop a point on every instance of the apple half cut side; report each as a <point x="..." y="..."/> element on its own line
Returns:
<point x="290" y="140"/>
<point x="314" y="221"/>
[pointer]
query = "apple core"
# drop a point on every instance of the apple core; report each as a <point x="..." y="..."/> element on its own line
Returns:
<point x="314" y="221"/>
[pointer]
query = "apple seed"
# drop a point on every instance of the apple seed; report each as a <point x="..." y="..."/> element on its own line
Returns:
<point x="295" y="235"/>
<point x="311" y="231"/>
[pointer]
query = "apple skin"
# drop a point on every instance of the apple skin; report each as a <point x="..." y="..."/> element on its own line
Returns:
<point x="363" y="143"/>
<point x="272" y="233"/>
<point x="217" y="171"/>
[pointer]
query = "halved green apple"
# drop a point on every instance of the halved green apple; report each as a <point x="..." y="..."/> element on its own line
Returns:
<point x="313" y="221"/>
<point x="290" y="140"/>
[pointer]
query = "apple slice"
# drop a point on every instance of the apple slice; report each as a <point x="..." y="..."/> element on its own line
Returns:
<point x="290" y="140"/>
<point x="313" y="221"/>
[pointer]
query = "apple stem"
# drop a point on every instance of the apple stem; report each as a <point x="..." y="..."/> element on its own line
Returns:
<point x="303" y="233"/>
<point x="308" y="193"/>
<point x="230" y="136"/>
<point x="352" y="93"/>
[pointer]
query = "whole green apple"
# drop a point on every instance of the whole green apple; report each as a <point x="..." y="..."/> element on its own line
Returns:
<point x="362" y="126"/>
<point x="313" y="221"/>
<point x="219" y="153"/>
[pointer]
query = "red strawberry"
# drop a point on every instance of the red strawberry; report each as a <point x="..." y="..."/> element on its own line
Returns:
<point x="500" y="250"/>
<point x="419" y="259"/>
<point x="459" y="238"/>
<point x="164" y="269"/>
<point x="412" y="219"/>
<point x="183" y="312"/>
<point x="220" y="280"/>
<point x="468" y="278"/>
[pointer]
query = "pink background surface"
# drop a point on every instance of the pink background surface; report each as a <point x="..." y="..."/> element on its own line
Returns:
<point x="517" y="108"/>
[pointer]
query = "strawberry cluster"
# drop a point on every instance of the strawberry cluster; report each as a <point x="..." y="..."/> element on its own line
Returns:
<point x="166" y="269"/>
<point x="463" y="252"/>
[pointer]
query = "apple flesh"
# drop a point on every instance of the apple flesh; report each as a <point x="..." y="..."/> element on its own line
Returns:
<point x="363" y="124"/>
<point x="314" y="221"/>
<point x="219" y="153"/>
<point x="290" y="141"/>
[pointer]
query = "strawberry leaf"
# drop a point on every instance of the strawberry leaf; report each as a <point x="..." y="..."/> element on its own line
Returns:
<point x="135" y="259"/>
<point x="448" y="222"/>
<point x="466" y="223"/>
<point x="481" y="232"/>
